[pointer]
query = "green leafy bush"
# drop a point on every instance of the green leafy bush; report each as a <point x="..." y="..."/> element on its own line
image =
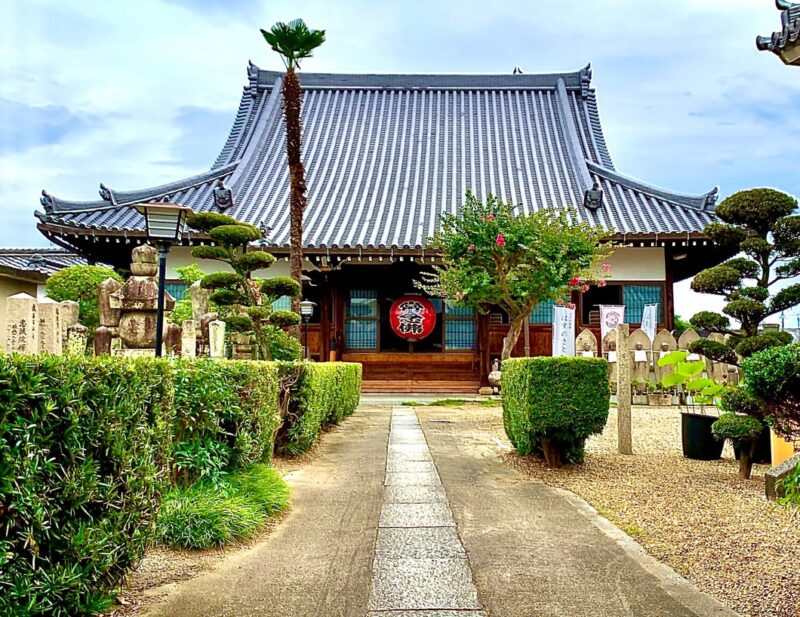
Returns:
<point x="80" y="283"/>
<point x="551" y="405"/>
<point x="773" y="376"/>
<point x="321" y="394"/>
<point x="209" y="514"/>
<point x="84" y="450"/>
<point x="789" y="487"/>
<point x="226" y="414"/>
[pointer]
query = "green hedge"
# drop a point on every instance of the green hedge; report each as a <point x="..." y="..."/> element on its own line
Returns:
<point x="773" y="376"/>
<point x="554" y="404"/>
<point x="88" y="445"/>
<point x="321" y="394"/>
<point x="84" y="446"/>
<point x="226" y="416"/>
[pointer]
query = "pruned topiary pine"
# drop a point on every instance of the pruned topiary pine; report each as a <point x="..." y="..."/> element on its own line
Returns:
<point x="245" y="303"/>
<point x="742" y="423"/>
<point x="762" y="225"/>
<point x="495" y="255"/>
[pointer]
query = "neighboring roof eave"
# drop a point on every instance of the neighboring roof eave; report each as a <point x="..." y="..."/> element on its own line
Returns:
<point x="703" y="203"/>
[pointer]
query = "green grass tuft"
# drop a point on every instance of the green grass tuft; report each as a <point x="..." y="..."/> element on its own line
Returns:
<point x="207" y="514"/>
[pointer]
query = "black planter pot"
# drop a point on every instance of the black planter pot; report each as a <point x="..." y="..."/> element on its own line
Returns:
<point x="763" y="449"/>
<point x="698" y="440"/>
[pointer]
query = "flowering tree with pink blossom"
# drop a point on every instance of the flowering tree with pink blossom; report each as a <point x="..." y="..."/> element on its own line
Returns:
<point x="496" y="255"/>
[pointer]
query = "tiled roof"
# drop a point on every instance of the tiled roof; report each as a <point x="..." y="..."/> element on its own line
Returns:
<point x="36" y="262"/>
<point x="789" y="32"/>
<point x="385" y="155"/>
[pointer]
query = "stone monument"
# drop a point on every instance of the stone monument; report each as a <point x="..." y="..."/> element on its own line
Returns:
<point x="22" y="324"/>
<point x="50" y="336"/>
<point x="137" y="303"/>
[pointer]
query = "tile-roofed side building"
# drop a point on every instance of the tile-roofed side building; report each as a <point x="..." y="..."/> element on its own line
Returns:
<point x="386" y="155"/>
<point x="783" y="43"/>
<point x="36" y="264"/>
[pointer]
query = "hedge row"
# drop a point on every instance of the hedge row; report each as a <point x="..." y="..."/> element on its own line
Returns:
<point x="88" y="445"/>
<point x="551" y="405"/>
<point x="321" y="395"/>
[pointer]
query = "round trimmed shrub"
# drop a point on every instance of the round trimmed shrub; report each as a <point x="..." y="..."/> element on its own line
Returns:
<point x="80" y="283"/>
<point x="552" y="405"/>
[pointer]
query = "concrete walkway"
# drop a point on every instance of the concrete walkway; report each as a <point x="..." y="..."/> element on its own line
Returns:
<point x="404" y="519"/>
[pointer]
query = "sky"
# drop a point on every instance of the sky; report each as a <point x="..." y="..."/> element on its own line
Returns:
<point x="134" y="94"/>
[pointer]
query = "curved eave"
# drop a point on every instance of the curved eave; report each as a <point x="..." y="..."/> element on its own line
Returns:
<point x="703" y="203"/>
<point x="119" y="199"/>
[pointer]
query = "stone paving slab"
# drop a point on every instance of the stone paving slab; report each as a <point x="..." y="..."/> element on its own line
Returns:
<point x="461" y="613"/>
<point x="422" y="584"/>
<point x="412" y="478"/>
<point x="399" y="464"/>
<point x="414" y="494"/>
<point x="419" y="543"/>
<point x="410" y="452"/>
<point x="416" y="438"/>
<point x="416" y="515"/>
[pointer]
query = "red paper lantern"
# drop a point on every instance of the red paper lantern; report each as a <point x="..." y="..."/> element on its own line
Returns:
<point x="412" y="317"/>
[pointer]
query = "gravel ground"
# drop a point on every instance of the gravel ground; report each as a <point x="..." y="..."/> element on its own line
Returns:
<point x="698" y="517"/>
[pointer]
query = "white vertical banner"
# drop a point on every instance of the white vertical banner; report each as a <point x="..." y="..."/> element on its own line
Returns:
<point x="610" y="317"/>
<point x="650" y="320"/>
<point x="563" y="331"/>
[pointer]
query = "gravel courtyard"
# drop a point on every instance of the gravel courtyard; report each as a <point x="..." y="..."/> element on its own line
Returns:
<point x="718" y="531"/>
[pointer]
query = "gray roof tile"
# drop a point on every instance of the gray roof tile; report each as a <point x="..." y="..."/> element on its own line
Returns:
<point x="386" y="155"/>
<point x="40" y="262"/>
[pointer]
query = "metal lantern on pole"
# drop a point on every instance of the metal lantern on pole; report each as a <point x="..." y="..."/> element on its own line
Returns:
<point x="306" y="311"/>
<point x="165" y="224"/>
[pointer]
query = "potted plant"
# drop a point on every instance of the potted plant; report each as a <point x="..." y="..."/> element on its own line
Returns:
<point x="639" y="391"/>
<point x="697" y="437"/>
<point x="742" y="423"/>
<point x="659" y="395"/>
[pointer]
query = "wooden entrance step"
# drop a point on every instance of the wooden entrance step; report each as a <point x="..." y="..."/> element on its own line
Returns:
<point x="419" y="386"/>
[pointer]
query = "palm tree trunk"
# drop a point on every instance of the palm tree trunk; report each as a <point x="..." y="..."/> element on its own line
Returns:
<point x="292" y="102"/>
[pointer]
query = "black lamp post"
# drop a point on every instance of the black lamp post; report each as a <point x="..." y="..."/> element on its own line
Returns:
<point x="307" y="310"/>
<point x="165" y="224"/>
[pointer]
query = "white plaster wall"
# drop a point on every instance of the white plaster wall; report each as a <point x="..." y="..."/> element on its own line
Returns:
<point x="638" y="264"/>
<point x="182" y="256"/>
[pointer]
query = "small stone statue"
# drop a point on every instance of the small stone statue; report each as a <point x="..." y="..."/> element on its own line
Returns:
<point x="587" y="351"/>
<point x="495" y="376"/>
<point x="641" y="365"/>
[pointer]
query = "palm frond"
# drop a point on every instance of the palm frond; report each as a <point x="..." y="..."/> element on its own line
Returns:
<point x="293" y="41"/>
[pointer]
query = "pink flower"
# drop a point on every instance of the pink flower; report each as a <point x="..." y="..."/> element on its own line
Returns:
<point x="601" y="283"/>
<point x="585" y="288"/>
<point x="573" y="282"/>
<point x="500" y="240"/>
<point x="606" y="267"/>
<point x="571" y="306"/>
<point x="471" y="247"/>
<point x="490" y="217"/>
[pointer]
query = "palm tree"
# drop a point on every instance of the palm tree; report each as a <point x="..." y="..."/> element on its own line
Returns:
<point x="293" y="42"/>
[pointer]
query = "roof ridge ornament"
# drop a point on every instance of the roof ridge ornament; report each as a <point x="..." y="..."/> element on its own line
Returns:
<point x="784" y="42"/>
<point x="593" y="197"/>
<point x="47" y="201"/>
<point x="252" y="78"/>
<point x="107" y="194"/>
<point x="223" y="195"/>
<point x="586" y="80"/>
<point x="711" y="198"/>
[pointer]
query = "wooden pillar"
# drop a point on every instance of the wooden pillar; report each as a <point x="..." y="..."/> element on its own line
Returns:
<point x="325" y="319"/>
<point x="483" y="348"/>
<point x="624" y="433"/>
<point x="527" y="330"/>
<point x="669" y="296"/>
